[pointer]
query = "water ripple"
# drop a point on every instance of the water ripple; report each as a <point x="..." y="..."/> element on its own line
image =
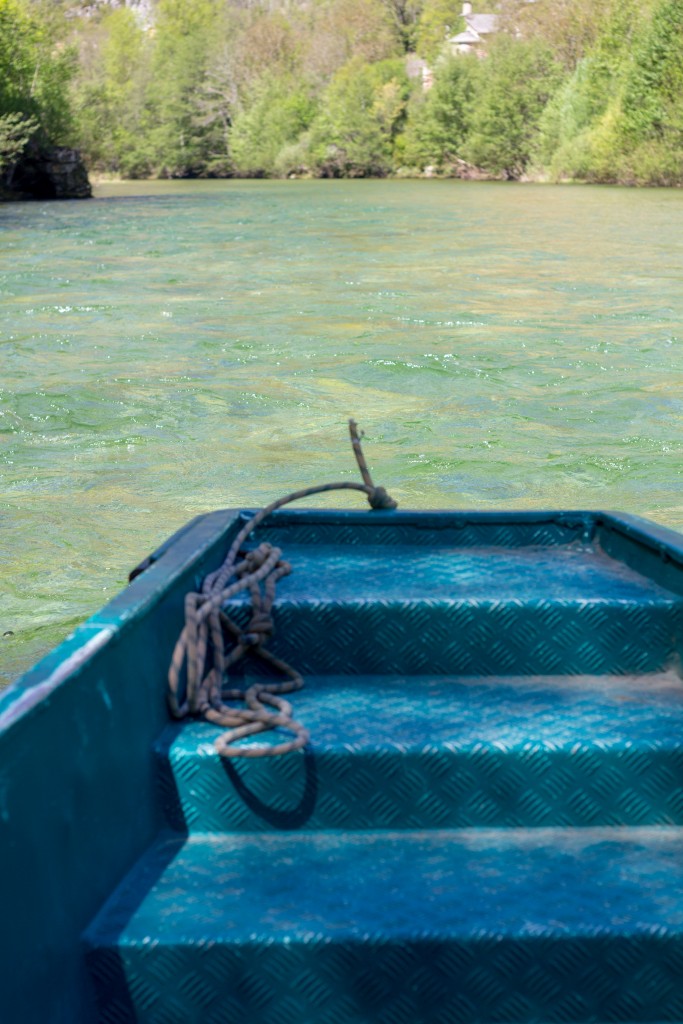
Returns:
<point x="173" y="347"/>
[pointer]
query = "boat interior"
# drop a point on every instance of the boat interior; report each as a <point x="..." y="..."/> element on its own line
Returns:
<point x="485" y="826"/>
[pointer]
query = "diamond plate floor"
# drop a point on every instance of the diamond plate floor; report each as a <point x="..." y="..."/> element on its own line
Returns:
<point x="519" y="611"/>
<point x="445" y="926"/>
<point x="567" y="572"/>
<point x="487" y="827"/>
<point x="433" y="751"/>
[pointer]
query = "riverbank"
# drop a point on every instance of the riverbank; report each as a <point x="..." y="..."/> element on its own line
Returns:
<point x="99" y="180"/>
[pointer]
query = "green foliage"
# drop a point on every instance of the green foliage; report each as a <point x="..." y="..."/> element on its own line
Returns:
<point x="17" y="59"/>
<point x="112" y="113"/>
<point x="440" y="19"/>
<point x="214" y="105"/>
<point x="344" y="29"/>
<point x="567" y="88"/>
<point x="15" y="132"/>
<point x="362" y="112"/>
<point x="183" y="38"/>
<point x="521" y="76"/>
<point x="654" y="85"/>
<point x="279" y="112"/>
<point x="440" y="121"/>
<point x="406" y="15"/>
<point x="154" y="103"/>
<point x="571" y="28"/>
<point x="574" y="125"/>
<point x="35" y="71"/>
<point x="619" y="117"/>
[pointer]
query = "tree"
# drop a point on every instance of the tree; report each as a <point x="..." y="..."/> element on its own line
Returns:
<point x="362" y="112"/>
<point x="16" y="130"/>
<point x="405" y="15"/>
<point x="216" y="102"/>
<point x="341" y="30"/>
<point x="266" y="41"/>
<point x="651" y="123"/>
<point x="279" y="112"/>
<point x="440" y="19"/>
<point x="112" y="96"/>
<point x="570" y="87"/>
<point x="35" y="74"/>
<point x="184" y="35"/>
<point x="595" y="119"/>
<point x="571" y="28"/>
<point x="654" y="84"/>
<point x="520" y="78"/>
<point x="440" y="120"/>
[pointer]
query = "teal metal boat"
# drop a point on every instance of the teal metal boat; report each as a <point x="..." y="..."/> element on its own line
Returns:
<point x="484" y="823"/>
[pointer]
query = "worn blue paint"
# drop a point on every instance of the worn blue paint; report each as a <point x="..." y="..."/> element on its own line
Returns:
<point x="434" y="752"/>
<point x="484" y="691"/>
<point x="334" y="886"/>
<point x="388" y="926"/>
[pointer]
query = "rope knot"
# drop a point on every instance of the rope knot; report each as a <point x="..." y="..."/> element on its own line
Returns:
<point x="378" y="498"/>
<point x="257" y="632"/>
<point x="257" y="557"/>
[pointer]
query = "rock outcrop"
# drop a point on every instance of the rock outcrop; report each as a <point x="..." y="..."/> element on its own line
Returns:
<point x="46" y="172"/>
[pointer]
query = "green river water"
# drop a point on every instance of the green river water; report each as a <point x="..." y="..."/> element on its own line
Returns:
<point x="170" y="348"/>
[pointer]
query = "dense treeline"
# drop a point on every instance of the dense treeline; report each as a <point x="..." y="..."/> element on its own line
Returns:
<point x="566" y="88"/>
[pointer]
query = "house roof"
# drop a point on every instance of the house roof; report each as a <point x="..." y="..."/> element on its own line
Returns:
<point x="468" y="36"/>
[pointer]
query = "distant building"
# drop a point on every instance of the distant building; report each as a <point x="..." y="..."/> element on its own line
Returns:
<point x="478" y="27"/>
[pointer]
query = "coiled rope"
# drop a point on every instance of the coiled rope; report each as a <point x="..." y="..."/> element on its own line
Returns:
<point x="211" y="638"/>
